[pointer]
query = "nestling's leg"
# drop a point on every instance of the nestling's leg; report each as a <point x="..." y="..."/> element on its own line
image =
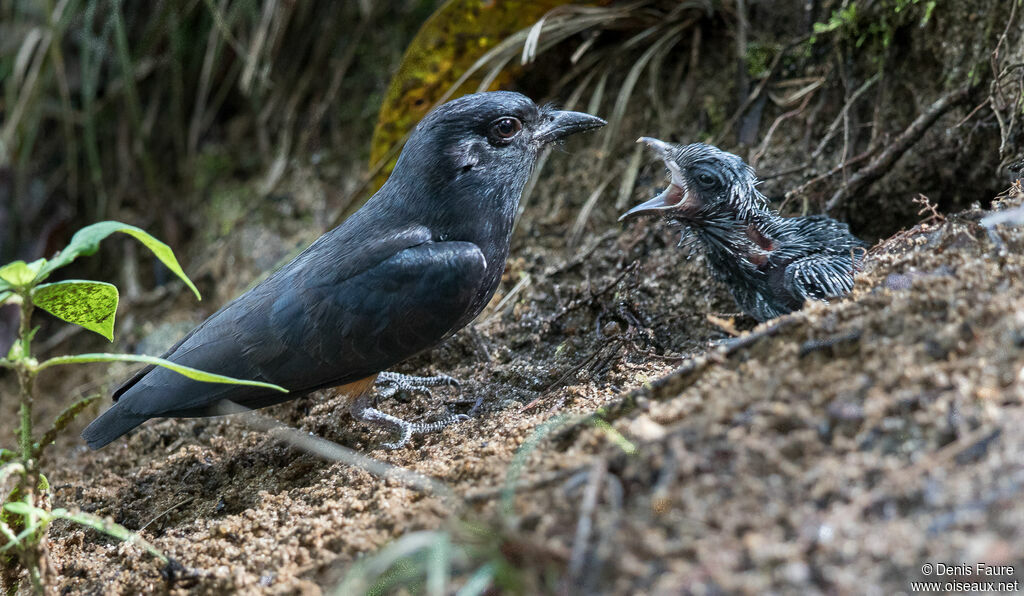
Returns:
<point x="391" y="383"/>
<point x="363" y="410"/>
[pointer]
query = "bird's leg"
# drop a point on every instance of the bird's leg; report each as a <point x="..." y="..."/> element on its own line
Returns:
<point x="362" y="409"/>
<point x="390" y="383"/>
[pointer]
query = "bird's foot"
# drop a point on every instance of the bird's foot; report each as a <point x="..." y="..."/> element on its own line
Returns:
<point x="390" y="384"/>
<point x="405" y="428"/>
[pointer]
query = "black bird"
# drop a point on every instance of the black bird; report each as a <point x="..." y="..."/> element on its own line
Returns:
<point x="771" y="264"/>
<point x="415" y="264"/>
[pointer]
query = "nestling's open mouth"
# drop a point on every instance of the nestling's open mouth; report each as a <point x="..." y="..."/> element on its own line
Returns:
<point x="672" y="195"/>
<point x="676" y="197"/>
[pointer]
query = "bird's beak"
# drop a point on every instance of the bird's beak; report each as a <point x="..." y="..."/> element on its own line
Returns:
<point x="560" y="124"/>
<point x="676" y="195"/>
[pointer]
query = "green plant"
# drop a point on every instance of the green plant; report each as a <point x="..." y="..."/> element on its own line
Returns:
<point x="92" y="305"/>
<point x="93" y="87"/>
<point x="469" y="555"/>
<point x="878" y="25"/>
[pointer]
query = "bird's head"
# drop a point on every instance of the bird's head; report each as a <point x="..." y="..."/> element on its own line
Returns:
<point x="484" y="142"/>
<point x="705" y="182"/>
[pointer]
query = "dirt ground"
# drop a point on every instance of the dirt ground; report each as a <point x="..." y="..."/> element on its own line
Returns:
<point x="848" y="445"/>
<point x="834" y="450"/>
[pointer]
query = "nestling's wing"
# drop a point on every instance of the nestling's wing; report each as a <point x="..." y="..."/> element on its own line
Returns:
<point x="308" y="329"/>
<point x="825" y="233"/>
<point x="820" y="276"/>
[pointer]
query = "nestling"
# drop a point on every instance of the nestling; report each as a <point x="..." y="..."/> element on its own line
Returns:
<point x="771" y="264"/>
<point x="414" y="265"/>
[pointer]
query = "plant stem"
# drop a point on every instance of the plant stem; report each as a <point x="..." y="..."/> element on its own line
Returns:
<point x="31" y="555"/>
<point x="26" y="380"/>
<point x="26" y="420"/>
<point x="37" y="581"/>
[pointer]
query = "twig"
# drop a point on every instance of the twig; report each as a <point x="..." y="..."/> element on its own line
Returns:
<point x="165" y="512"/>
<point x="607" y="525"/>
<point x="332" y="451"/>
<point x="547" y="390"/>
<point x="883" y="162"/>
<point x="521" y="285"/>
<point x="971" y="114"/>
<point x="585" y="525"/>
<point x="675" y="382"/>
<point x="669" y="472"/>
<point x="786" y="172"/>
<point x="542" y="481"/>
<point x="827" y="343"/>
<point x="928" y="207"/>
<point x="771" y="129"/>
<point x="577" y="302"/>
<point x="833" y="128"/>
<point x="822" y="177"/>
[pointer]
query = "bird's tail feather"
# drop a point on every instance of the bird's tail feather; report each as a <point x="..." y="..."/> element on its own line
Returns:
<point x="110" y="425"/>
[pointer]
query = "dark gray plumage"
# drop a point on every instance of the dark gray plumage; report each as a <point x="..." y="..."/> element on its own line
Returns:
<point x="416" y="263"/>
<point x="771" y="264"/>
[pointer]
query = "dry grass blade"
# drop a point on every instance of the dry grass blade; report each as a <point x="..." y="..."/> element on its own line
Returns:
<point x="584" y="527"/>
<point x="30" y="61"/>
<point x="669" y="39"/>
<point x="596" y="98"/>
<point x="256" y="47"/>
<point x="588" y="207"/>
<point x="524" y="201"/>
<point x="629" y="179"/>
<point x="332" y="451"/>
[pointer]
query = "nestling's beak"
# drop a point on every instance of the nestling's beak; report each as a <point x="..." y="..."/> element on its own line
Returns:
<point x="673" y="196"/>
<point x="560" y="124"/>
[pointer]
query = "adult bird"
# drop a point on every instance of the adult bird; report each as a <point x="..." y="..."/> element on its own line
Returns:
<point x="415" y="264"/>
<point x="771" y="264"/>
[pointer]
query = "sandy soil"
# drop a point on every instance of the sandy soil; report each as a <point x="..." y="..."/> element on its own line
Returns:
<point x="837" y="452"/>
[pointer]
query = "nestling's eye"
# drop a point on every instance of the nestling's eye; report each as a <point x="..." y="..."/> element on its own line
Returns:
<point x="706" y="179"/>
<point x="505" y="128"/>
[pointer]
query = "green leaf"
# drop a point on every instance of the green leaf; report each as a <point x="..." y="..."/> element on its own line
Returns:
<point x="4" y="295"/>
<point x="34" y="531"/>
<point x="478" y="583"/>
<point x="91" y="304"/>
<point x="87" y="241"/>
<point x="189" y="372"/>
<point x="109" y="528"/>
<point x="19" y="273"/>
<point x="88" y="520"/>
<point x="23" y="508"/>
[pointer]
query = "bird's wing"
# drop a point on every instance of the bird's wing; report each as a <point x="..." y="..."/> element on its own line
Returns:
<point x="310" y="331"/>
<point x="319" y="259"/>
<point x="820" y="276"/>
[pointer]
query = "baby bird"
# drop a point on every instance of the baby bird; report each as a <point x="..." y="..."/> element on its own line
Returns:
<point x="771" y="264"/>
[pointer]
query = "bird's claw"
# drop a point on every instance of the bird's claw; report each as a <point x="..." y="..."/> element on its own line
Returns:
<point x="405" y="428"/>
<point x="390" y="384"/>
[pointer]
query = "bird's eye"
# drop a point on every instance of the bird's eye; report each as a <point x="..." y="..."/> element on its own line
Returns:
<point x="705" y="179"/>
<point x="505" y="128"/>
